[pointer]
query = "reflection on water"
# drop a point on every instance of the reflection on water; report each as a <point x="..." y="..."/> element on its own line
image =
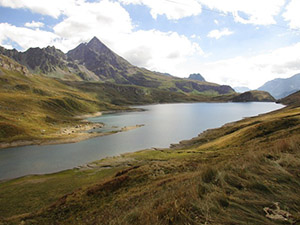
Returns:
<point x="164" y="124"/>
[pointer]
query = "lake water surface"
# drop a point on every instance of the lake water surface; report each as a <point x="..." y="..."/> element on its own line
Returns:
<point x="164" y="124"/>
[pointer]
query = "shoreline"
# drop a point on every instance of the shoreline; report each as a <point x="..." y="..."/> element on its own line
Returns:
<point x="75" y="133"/>
<point x="81" y="136"/>
<point x="85" y="136"/>
<point x="65" y="140"/>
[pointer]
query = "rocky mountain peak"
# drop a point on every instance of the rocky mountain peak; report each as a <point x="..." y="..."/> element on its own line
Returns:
<point x="97" y="46"/>
<point x="196" y="76"/>
<point x="99" y="59"/>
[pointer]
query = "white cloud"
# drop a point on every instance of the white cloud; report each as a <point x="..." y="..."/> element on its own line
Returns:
<point x="194" y="36"/>
<point x="217" y="34"/>
<point x="251" y="71"/>
<point x="292" y="14"/>
<point x="106" y="20"/>
<point x="156" y="50"/>
<point x="7" y="46"/>
<point x="34" y="24"/>
<point x="112" y="24"/>
<point x="53" y="8"/>
<point x="173" y="9"/>
<point x="248" y="12"/>
<point x="216" y="22"/>
<point x="26" y="37"/>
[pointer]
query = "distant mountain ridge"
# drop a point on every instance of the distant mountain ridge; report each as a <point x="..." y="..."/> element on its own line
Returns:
<point x="281" y="88"/>
<point x="94" y="61"/>
<point x="50" y="61"/>
<point x="241" y="89"/>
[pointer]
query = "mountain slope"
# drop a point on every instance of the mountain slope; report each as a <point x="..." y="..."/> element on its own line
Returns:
<point x="96" y="57"/>
<point x="37" y="107"/>
<point x="254" y="96"/>
<point x="280" y="88"/>
<point x="293" y="99"/>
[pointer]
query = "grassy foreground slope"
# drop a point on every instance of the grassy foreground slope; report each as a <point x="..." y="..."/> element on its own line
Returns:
<point x="246" y="172"/>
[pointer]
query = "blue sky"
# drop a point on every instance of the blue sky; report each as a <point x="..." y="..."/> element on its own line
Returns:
<point x="234" y="42"/>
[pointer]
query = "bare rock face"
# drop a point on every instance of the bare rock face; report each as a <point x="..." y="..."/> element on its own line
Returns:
<point x="49" y="61"/>
<point x="9" y="64"/>
<point x="98" y="58"/>
<point x="40" y="60"/>
<point x="46" y="59"/>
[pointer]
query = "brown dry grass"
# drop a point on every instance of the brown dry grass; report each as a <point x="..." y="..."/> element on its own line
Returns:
<point x="230" y="179"/>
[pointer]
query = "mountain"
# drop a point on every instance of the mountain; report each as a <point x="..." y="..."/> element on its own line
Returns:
<point x="254" y="96"/>
<point x="293" y="99"/>
<point x="98" y="58"/>
<point x="49" y="61"/>
<point x="241" y="89"/>
<point x="110" y="67"/>
<point x="280" y="88"/>
<point x="93" y="61"/>
<point x="196" y="76"/>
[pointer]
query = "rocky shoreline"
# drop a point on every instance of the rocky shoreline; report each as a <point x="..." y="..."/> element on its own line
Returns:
<point x="72" y="134"/>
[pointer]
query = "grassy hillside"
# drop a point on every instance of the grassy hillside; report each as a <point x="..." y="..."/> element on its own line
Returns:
<point x="293" y="99"/>
<point x="132" y="95"/>
<point x="37" y="107"/>
<point x="246" y="172"/>
<point x="251" y="96"/>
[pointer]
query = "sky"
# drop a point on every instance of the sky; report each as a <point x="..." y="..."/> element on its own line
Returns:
<point x="232" y="42"/>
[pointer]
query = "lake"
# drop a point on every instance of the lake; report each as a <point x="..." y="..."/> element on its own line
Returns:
<point x="164" y="124"/>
